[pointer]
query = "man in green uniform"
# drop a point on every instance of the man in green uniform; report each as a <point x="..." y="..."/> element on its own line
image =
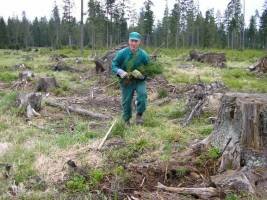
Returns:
<point x="129" y="64"/>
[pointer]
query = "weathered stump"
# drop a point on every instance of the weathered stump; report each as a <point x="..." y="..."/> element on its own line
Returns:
<point x="240" y="134"/>
<point x="45" y="84"/>
<point x="62" y="66"/>
<point x="104" y="63"/>
<point x="242" y="119"/>
<point x="215" y="59"/>
<point x="260" y="66"/>
<point x="29" y="103"/>
<point x="26" y="75"/>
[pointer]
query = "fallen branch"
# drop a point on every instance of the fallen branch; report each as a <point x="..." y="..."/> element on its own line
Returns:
<point x="199" y="104"/>
<point x="79" y="111"/>
<point x="106" y="136"/>
<point x="203" y="193"/>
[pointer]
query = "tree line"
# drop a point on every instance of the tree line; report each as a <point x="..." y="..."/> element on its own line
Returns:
<point x="108" y="22"/>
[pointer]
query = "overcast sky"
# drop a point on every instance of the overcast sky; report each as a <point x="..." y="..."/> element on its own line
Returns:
<point x="41" y="8"/>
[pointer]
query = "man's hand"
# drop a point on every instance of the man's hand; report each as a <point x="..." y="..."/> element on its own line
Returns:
<point x="122" y="73"/>
<point x="137" y="74"/>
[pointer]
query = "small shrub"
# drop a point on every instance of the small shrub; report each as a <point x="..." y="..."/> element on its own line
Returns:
<point x="76" y="184"/>
<point x="182" y="171"/>
<point x="206" y="130"/>
<point x="152" y="69"/>
<point x="162" y="93"/>
<point x="213" y="153"/>
<point x="96" y="176"/>
<point x="231" y="197"/>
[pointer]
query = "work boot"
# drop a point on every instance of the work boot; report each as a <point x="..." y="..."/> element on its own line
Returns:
<point x="139" y="119"/>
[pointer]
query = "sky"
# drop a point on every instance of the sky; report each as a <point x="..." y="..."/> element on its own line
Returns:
<point x="41" y="8"/>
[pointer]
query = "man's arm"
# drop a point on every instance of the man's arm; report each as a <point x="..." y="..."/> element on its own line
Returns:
<point x="116" y="65"/>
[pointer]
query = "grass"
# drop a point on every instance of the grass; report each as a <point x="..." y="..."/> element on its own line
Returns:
<point x="8" y="76"/>
<point x="160" y="136"/>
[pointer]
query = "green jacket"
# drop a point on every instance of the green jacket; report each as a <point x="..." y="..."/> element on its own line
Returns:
<point x="128" y="61"/>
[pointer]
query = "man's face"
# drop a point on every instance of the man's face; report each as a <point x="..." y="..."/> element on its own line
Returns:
<point x="134" y="44"/>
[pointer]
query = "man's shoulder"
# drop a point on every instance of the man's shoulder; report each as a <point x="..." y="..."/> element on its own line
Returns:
<point x="124" y="50"/>
<point x="143" y="52"/>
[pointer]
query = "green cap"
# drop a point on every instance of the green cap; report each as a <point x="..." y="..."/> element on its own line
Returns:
<point x="135" y="36"/>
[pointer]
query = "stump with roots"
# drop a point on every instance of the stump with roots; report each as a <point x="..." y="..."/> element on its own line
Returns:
<point x="29" y="103"/>
<point x="104" y="63"/>
<point x="260" y="66"/>
<point x="241" y="135"/>
<point x="45" y="84"/>
<point x="215" y="59"/>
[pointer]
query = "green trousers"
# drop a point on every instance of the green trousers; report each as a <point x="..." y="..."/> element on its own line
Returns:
<point x="127" y="91"/>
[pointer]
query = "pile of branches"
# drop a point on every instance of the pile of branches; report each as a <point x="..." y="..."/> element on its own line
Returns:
<point x="197" y="97"/>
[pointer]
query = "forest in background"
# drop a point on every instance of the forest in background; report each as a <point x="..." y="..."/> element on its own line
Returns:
<point x="105" y="23"/>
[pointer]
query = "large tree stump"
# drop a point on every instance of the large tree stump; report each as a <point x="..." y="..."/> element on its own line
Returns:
<point x="104" y="63"/>
<point x="242" y="119"/>
<point x="45" y="84"/>
<point x="240" y="134"/>
<point x="215" y="59"/>
<point x="29" y="103"/>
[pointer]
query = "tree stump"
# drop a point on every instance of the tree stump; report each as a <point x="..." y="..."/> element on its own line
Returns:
<point x="46" y="83"/>
<point x="240" y="134"/>
<point x="29" y="103"/>
<point x="242" y="118"/>
<point x="215" y="59"/>
<point x="104" y="63"/>
<point x="26" y="75"/>
<point x="260" y="66"/>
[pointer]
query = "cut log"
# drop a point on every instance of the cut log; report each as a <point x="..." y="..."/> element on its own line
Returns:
<point x="77" y="110"/>
<point x="260" y="66"/>
<point x="215" y="59"/>
<point x="203" y="193"/>
<point x="30" y="103"/>
<point x="45" y="84"/>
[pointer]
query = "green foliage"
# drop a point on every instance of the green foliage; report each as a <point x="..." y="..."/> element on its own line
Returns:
<point x="152" y="69"/>
<point x="242" y="80"/>
<point x="3" y="126"/>
<point x="127" y="154"/>
<point x="96" y="176"/>
<point x="77" y="184"/>
<point x="214" y="153"/>
<point x="119" y="128"/>
<point x="150" y="119"/>
<point x="231" y="197"/>
<point x="8" y="76"/>
<point x="80" y="134"/>
<point x="162" y="93"/>
<point x="205" y="129"/>
<point x="182" y="171"/>
<point x="7" y="101"/>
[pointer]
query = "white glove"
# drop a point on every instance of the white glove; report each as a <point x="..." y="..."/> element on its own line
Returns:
<point x="122" y="73"/>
